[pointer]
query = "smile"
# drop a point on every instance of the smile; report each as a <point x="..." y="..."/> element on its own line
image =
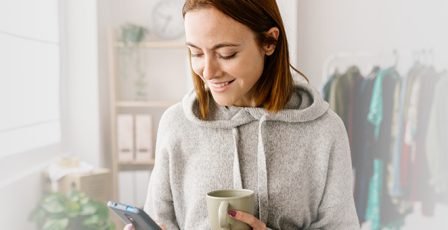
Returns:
<point x="220" y="86"/>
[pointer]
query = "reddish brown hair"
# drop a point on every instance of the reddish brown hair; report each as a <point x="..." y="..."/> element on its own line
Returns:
<point x="274" y="88"/>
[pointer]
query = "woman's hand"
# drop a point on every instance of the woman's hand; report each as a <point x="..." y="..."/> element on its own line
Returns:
<point x="128" y="227"/>
<point x="249" y="219"/>
<point x="131" y="227"/>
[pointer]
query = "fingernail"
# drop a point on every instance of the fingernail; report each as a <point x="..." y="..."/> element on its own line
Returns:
<point x="232" y="213"/>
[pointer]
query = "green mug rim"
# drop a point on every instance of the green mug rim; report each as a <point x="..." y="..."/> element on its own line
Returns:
<point x="250" y="193"/>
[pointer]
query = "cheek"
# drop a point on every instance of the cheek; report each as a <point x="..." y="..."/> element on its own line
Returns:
<point x="251" y="69"/>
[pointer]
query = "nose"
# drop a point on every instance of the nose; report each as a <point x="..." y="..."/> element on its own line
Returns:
<point x="211" y="68"/>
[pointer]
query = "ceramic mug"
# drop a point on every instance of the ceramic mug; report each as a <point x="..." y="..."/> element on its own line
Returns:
<point x="219" y="202"/>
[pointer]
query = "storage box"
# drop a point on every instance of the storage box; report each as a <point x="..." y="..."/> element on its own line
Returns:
<point x="96" y="184"/>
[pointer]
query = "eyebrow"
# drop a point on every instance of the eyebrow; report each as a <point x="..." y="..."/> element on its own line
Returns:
<point x="217" y="46"/>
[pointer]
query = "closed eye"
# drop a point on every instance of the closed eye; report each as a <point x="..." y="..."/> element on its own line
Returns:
<point x="196" y="55"/>
<point x="228" y="56"/>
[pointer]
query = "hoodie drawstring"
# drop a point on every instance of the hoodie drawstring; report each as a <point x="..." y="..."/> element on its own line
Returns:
<point x="263" y="199"/>
<point x="237" y="181"/>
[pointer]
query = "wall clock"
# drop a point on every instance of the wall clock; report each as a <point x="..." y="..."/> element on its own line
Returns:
<point x="166" y="19"/>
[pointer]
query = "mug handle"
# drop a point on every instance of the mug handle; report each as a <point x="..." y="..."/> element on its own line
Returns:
<point x="222" y="214"/>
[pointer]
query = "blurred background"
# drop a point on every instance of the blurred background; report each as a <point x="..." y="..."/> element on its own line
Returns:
<point x="83" y="85"/>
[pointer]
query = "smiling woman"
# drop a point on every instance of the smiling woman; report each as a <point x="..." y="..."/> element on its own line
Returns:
<point x="221" y="54"/>
<point x="248" y="125"/>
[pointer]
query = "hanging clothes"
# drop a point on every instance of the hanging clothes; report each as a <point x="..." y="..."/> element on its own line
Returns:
<point x="381" y="117"/>
<point x="409" y="121"/>
<point x="341" y="96"/>
<point x="386" y="117"/>
<point x="436" y="142"/>
<point x="420" y="189"/>
<point x="363" y="143"/>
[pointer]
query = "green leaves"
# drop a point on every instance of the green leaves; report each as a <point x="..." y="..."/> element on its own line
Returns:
<point x="54" y="203"/>
<point x="55" y="224"/>
<point x="75" y="210"/>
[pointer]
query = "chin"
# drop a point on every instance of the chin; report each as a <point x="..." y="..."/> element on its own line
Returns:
<point x="222" y="101"/>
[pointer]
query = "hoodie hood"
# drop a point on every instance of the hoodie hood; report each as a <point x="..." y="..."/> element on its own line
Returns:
<point x="305" y="105"/>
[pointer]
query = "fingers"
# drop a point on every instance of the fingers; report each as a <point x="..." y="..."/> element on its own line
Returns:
<point x="162" y="226"/>
<point x="249" y="219"/>
<point x="128" y="227"/>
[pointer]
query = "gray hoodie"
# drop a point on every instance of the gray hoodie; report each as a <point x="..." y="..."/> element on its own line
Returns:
<point x="297" y="161"/>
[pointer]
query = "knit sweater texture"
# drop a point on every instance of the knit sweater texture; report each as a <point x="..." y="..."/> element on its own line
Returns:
<point x="296" y="160"/>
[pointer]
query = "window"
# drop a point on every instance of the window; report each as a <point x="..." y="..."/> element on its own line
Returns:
<point x="29" y="75"/>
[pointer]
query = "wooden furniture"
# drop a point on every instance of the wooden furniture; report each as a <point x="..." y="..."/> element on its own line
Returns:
<point x="164" y="64"/>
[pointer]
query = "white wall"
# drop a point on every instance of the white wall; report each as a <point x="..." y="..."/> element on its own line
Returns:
<point x="328" y="27"/>
<point x="81" y="124"/>
<point x="289" y="12"/>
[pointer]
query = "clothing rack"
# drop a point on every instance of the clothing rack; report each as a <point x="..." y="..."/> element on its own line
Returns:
<point x="351" y="56"/>
<point x="426" y="56"/>
<point x="378" y="204"/>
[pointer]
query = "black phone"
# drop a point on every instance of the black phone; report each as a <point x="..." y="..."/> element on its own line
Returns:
<point x="133" y="215"/>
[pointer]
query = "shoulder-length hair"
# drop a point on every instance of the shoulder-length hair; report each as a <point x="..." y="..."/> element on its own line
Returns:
<point x="275" y="86"/>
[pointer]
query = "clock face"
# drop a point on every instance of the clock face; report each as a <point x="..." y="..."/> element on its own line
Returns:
<point x="166" y="19"/>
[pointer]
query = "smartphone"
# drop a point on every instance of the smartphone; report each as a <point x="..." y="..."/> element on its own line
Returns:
<point x="133" y="215"/>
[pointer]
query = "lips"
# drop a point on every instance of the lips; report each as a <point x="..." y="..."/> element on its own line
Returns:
<point x="220" y="86"/>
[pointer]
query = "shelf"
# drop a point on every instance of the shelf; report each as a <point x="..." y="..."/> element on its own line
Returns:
<point x="153" y="106"/>
<point x="160" y="44"/>
<point x="135" y="165"/>
<point x="145" y="104"/>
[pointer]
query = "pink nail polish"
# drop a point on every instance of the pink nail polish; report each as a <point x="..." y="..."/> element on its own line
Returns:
<point x="232" y="213"/>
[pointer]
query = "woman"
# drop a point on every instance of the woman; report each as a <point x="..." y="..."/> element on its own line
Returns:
<point x="248" y="125"/>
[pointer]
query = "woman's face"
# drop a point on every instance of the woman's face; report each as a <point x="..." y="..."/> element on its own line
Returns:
<point x="225" y="54"/>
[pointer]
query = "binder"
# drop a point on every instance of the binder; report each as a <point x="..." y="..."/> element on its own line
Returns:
<point x="144" y="138"/>
<point x="125" y="137"/>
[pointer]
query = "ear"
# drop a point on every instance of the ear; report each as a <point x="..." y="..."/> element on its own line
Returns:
<point x="270" y="48"/>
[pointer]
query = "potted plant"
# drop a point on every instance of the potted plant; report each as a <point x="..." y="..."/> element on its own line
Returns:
<point x="72" y="211"/>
